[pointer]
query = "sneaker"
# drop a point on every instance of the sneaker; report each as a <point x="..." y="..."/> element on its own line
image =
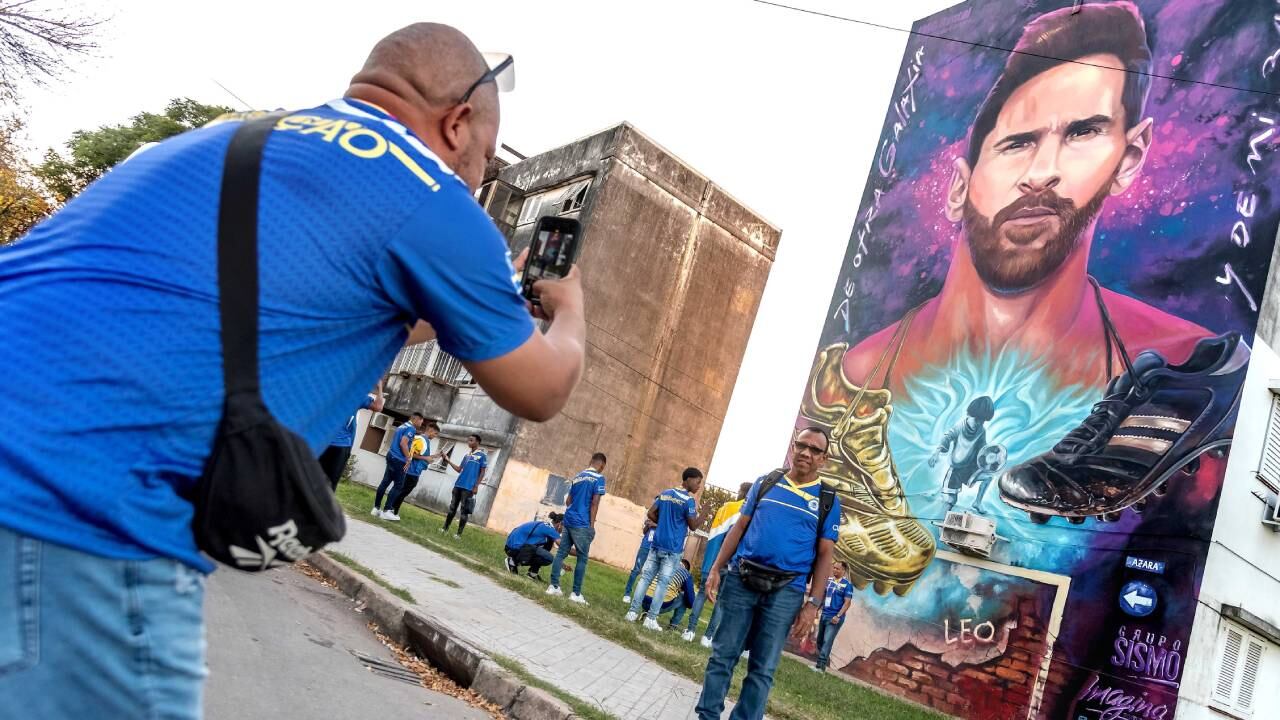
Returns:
<point x="651" y="624"/>
<point x="577" y="598"/>
<point x="816" y="669"/>
<point x="705" y="641"/>
<point x="443" y="531"/>
<point x="553" y="590"/>
<point x="879" y="536"/>
<point x="391" y="516"/>
<point x="626" y="599"/>
<point x="631" y="617"/>
<point x="376" y="512"/>
<point x="455" y="537"/>
<point x="687" y="636"/>
<point x="534" y="576"/>
<point x="1150" y="428"/>
<point x="511" y="565"/>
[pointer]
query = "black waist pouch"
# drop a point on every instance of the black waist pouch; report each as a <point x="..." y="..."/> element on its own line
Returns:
<point x="763" y="578"/>
<point x="263" y="500"/>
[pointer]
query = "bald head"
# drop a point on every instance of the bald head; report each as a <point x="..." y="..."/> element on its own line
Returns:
<point x="418" y="74"/>
<point x="426" y="62"/>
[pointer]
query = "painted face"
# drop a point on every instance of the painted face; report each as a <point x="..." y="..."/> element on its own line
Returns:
<point x="1044" y="171"/>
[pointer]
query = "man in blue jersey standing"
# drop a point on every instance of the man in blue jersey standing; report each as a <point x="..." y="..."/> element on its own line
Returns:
<point x="396" y="461"/>
<point x="674" y="513"/>
<point x="582" y="504"/>
<point x="835" y="604"/>
<point x="781" y="539"/>
<point x="334" y="458"/>
<point x="368" y="230"/>
<point x="470" y="474"/>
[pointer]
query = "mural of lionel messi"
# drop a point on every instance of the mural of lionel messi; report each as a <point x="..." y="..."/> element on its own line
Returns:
<point x="1062" y="134"/>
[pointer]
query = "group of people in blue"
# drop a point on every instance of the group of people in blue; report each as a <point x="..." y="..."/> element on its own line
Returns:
<point x="768" y="567"/>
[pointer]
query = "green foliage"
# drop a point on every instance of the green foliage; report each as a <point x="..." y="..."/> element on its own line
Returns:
<point x="22" y="199"/>
<point x="712" y="498"/>
<point x="93" y="152"/>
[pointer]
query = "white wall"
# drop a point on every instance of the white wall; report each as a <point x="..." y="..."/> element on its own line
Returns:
<point x="1243" y="566"/>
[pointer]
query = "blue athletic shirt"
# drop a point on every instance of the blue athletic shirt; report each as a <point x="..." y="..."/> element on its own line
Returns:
<point x="109" y="315"/>
<point x="417" y="466"/>
<point x="646" y="540"/>
<point x="837" y="592"/>
<point x="582" y="488"/>
<point x="346" y="437"/>
<point x="469" y="475"/>
<point x="674" y="506"/>
<point x="405" y="432"/>
<point x="535" y="532"/>
<point x="784" y="528"/>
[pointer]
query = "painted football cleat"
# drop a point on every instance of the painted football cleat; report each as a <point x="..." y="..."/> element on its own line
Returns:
<point x="885" y="546"/>
<point x="1154" y="422"/>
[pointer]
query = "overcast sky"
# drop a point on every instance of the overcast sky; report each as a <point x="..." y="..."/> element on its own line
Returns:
<point x="779" y="108"/>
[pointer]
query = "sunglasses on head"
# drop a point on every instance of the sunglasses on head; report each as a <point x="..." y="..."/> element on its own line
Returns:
<point x="502" y="72"/>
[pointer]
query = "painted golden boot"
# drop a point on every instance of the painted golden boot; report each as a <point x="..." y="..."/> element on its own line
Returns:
<point x="883" y="544"/>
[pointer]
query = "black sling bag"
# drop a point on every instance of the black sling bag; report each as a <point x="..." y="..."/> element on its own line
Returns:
<point x="263" y="499"/>
<point x="764" y="578"/>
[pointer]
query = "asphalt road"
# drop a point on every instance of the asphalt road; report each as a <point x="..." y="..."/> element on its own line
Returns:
<point x="281" y="647"/>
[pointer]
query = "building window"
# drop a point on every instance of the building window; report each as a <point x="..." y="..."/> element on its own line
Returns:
<point x="1269" y="467"/>
<point x="557" y="488"/>
<point x="1240" y="656"/>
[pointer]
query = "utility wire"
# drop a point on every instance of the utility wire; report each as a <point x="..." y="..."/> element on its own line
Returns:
<point x="985" y="46"/>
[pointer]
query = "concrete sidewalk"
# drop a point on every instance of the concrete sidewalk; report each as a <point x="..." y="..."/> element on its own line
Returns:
<point x="496" y="620"/>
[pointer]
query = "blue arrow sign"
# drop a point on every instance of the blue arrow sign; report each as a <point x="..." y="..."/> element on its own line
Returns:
<point x="1138" y="598"/>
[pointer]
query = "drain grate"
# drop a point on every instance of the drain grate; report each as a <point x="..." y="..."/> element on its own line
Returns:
<point x="387" y="668"/>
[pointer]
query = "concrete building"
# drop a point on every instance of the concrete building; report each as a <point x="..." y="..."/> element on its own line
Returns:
<point x="673" y="270"/>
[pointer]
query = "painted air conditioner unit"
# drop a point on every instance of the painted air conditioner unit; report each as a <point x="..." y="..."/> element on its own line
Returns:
<point x="1271" y="516"/>
<point x="969" y="533"/>
<point x="380" y="421"/>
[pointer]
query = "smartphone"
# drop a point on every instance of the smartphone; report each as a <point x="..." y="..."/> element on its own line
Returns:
<point x="552" y="252"/>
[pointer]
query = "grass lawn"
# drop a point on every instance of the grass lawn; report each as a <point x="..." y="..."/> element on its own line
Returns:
<point x="798" y="692"/>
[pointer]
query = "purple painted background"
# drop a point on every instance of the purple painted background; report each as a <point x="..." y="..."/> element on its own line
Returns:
<point x="1177" y="240"/>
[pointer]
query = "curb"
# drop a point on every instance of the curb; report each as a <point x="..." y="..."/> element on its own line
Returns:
<point x="465" y="664"/>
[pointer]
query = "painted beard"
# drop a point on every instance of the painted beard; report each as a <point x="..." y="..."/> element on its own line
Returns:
<point x="1017" y="269"/>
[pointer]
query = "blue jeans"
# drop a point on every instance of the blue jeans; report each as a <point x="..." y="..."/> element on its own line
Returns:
<point x="641" y="554"/>
<point x="660" y="563"/>
<point x="695" y="613"/>
<point x="762" y="618"/>
<point x="714" y="623"/>
<point x="827" y="632"/>
<point x="92" y="637"/>
<point x="393" y="478"/>
<point x="580" y="539"/>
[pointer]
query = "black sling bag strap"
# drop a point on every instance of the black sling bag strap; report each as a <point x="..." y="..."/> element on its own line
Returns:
<point x="263" y="500"/>
<point x="763" y="578"/>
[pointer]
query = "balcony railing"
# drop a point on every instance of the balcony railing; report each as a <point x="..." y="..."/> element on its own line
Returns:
<point x="428" y="359"/>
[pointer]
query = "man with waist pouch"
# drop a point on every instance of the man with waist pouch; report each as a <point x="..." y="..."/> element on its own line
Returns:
<point x="777" y="544"/>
